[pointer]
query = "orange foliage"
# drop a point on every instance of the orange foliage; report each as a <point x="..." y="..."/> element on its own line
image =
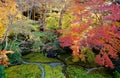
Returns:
<point x="4" y="58"/>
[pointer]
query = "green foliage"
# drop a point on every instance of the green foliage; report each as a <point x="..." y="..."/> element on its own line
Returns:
<point x="89" y="55"/>
<point x="23" y="27"/>
<point x="28" y="33"/>
<point x="42" y="38"/>
<point x="55" y="72"/>
<point x="79" y="72"/>
<point x="26" y="47"/>
<point x="2" y="71"/>
<point x="45" y="39"/>
<point x="16" y="56"/>
<point x="23" y="32"/>
<point x="52" y="23"/>
<point x="14" y="46"/>
<point x="75" y="59"/>
<point x="66" y="21"/>
<point x="67" y="58"/>
<point x="23" y="71"/>
<point x="38" y="57"/>
<point x="88" y="60"/>
<point x="116" y="74"/>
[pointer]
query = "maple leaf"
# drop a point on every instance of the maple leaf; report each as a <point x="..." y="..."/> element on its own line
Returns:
<point x="4" y="58"/>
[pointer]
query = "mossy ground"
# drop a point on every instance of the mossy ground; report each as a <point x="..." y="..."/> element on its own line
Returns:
<point x="79" y="72"/>
<point x="55" y="72"/>
<point x="38" y="57"/>
<point x="23" y="71"/>
<point x="33" y="71"/>
<point x="50" y="72"/>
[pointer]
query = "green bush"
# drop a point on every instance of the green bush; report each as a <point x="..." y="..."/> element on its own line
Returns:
<point x="42" y="38"/>
<point x="89" y="55"/>
<point x="2" y="71"/>
<point x="52" y="23"/>
<point x="14" y="46"/>
<point x="116" y="74"/>
<point x="23" y="31"/>
<point x="45" y="39"/>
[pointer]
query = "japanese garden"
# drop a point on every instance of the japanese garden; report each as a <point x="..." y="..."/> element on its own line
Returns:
<point x="59" y="38"/>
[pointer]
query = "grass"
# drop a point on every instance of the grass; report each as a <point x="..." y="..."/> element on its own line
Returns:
<point x="23" y="71"/>
<point x="38" y="57"/>
<point x="55" y="72"/>
<point x="79" y="72"/>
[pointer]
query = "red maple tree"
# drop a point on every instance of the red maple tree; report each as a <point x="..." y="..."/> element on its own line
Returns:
<point x="95" y="26"/>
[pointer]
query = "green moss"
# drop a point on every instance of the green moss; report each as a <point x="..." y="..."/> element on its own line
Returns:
<point x="79" y="72"/>
<point x="38" y="57"/>
<point x="23" y="71"/>
<point x="55" y="72"/>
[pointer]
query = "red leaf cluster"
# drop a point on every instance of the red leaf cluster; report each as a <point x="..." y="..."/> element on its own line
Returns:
<point x="104" y="60"/>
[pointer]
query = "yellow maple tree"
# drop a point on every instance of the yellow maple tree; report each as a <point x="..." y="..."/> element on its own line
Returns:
<point x="7" y="9"/>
